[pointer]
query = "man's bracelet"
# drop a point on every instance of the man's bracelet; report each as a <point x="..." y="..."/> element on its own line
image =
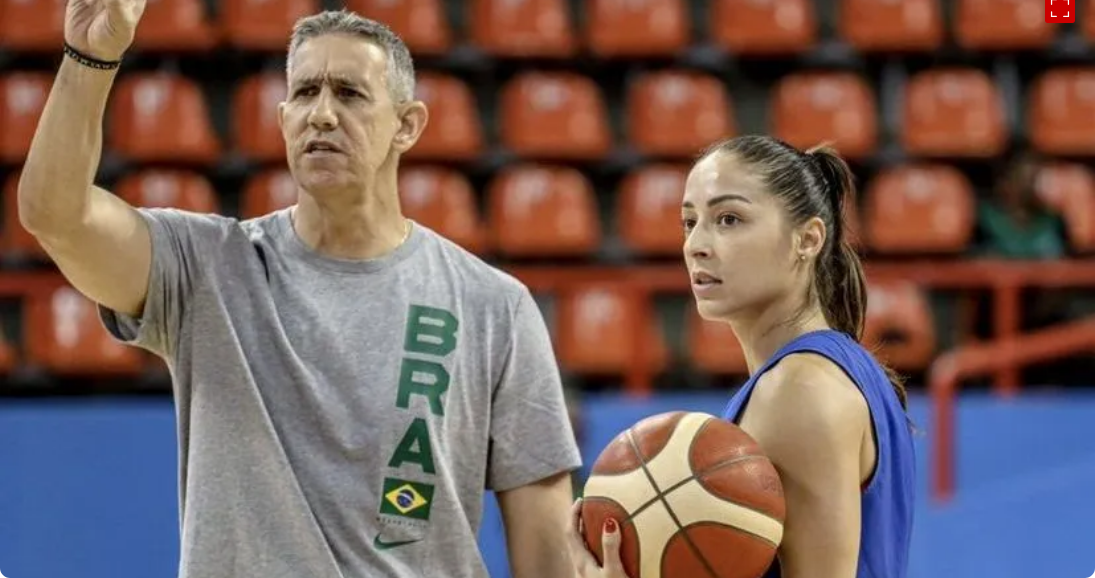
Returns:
<point x="89" y="61"/>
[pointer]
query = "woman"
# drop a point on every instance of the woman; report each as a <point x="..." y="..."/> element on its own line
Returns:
<point x="766" y="252"/>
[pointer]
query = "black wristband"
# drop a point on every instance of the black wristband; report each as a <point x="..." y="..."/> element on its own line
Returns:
<point x="89" y="61"/>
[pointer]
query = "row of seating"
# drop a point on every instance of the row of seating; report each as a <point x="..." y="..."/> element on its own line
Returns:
<point x="165" y="117"/>
<point x="593" y="327"/>
<point x="612" y="28"/>
<point x="551" y="211"/>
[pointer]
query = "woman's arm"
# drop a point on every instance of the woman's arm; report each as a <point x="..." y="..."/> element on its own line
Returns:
<point x="811" y="420"/>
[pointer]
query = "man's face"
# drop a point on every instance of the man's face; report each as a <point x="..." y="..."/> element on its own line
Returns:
<point x="339" y="121"/>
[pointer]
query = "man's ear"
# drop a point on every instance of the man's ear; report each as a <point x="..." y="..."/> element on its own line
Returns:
<point x="412" y="123"/>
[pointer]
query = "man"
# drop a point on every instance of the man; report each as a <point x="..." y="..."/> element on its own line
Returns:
<point x="347" y="381"/>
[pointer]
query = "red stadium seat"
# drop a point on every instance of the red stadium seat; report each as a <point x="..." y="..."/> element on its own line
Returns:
<point x="626" y="28"/>
<point x="919" y="208"/>
<point x="262" y="25"/>
<point x="596" y="329"/>
<point x="809" y="108"/>
<point x="255" y="117"/>
<point x="1069" y="188"/>
<point x="15" y="241"/>
<point x="540" y="211"/>
<point x="454" y="130"/>
<point x="178" y="189"/>
<point x="554" y="115"/>
<point x="649" y="210"/>
<point x="675" y="113"/>
<point x="22" y="97"/>
<point x="32" y="25"/>
<point x="266" y="192"/>
<point x="1002" y="25"/>
<point x="421" y="24"/>
<point x="892" y="25"/>
<point x="443" y="200"/>
<point x="766" y="27"/>
<point x="161" y="117"/>
<point x="176" y="26"/>
<point x="953" y="112"/>
<point x="529" y="28"/>
<point x="63" y="334"/>
<point x="1061" y="111"/>
<point x="712" y="346"/>
<point x="899" y="325"/>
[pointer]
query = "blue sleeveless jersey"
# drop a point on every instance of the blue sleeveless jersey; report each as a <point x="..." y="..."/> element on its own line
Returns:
<point x="888" y="496"/>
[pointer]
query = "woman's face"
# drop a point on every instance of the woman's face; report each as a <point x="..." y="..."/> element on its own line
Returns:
<point x="739" y="246"/>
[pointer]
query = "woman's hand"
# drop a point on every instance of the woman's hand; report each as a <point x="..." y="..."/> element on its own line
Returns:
<point x="585" y="564"/>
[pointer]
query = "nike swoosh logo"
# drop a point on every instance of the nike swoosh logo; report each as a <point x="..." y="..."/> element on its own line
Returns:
<point x="380" y="544"/>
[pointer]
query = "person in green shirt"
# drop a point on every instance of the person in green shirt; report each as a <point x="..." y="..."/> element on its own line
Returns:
<point x="1013" y="222"/>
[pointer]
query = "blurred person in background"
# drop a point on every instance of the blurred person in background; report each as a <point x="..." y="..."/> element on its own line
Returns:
<point x="766" y="250"/>
<point x="347" y="382"/>
<point x="1013" y="222"/>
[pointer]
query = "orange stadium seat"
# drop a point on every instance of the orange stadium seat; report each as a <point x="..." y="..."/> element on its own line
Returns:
<point x="1002" y="25"/>
<point x="262" y="25"/>
<point x="22" y="97"/>
<point x="766" y="27"/>
<point x="266" y="192"/>
<point x="1087" y="17"/>
<point x="62" y="334"/>
<point x="443" y="200"/>
<point x="543" y="211"/>
<point x="899" y="325"/>
<point x="32" y="25"/>
<point x="554" y="115"/>
<point x="1069" y="188"/>
<point x="675" y="113"/>
<point x="809" y="108"/>
<point x="175" y="25"/>
<point x="527" y="28"/>
<point x="422" y="24"/>
<point x="712" y="346"/>
<point x="953" y="112"/>
<point x="628" y="28"/>
<point x="161" y="117"/>
<point x="255" y="116"/>
<point x="454" y="130"/>
<point x="596" y="328"/>
<point x="17" y="242"/>
<point x="649" y="209"/>
<point x="9" y="358"/>
<point x="1061" y="111"/>
<point x="892" y="26"/>
<point x="178" y="189"/>
<point x="919" y="208"/>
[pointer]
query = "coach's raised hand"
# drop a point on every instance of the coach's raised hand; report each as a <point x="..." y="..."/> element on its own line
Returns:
<point x="99" y="242"/>
<point x="102" y="29"/>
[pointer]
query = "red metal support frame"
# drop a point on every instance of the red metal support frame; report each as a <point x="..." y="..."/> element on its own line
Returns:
<point x="1014" y="352"/>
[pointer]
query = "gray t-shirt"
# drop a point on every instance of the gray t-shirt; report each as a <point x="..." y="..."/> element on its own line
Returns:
<point x="341" y="419"/>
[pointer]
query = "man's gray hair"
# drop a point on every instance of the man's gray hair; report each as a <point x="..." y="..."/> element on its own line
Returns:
<point x="400" y="64"/>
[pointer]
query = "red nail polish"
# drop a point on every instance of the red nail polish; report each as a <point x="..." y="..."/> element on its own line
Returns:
<point x="610" y="526"/>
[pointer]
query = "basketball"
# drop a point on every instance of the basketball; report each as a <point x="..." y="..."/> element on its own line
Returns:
<point x="694" y="496"/>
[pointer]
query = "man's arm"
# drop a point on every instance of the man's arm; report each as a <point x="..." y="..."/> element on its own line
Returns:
<point x="533" y="450"/>
<point x="99" y="242"/>
<point x="810" y="422"/>
<point x="536" y="517"/>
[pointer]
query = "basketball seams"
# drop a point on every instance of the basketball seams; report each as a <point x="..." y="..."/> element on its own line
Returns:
<point x="661" y="497"/>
